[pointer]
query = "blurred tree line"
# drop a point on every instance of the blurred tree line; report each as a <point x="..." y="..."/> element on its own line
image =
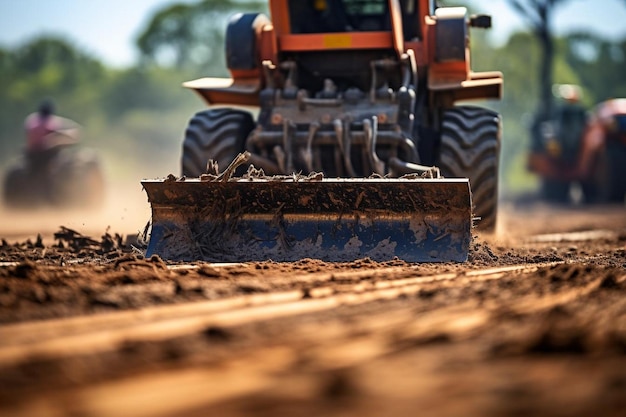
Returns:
<point x="131" y="116"/>
<point x="136" y="116"/>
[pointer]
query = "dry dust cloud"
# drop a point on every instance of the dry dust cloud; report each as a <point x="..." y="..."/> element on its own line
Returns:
<point x="125" y="211"/>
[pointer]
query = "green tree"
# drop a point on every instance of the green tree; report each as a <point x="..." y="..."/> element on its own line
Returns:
<point x="154" y="89"/>
<point x="191" y="36"/>
<point x="133" y="117"/>
<point x="44" y="68"/>
<point x="52" y="65"/>
<point x="598" y="63"/>
<point x="539" y="15"/>
<point x="6" y="75"/>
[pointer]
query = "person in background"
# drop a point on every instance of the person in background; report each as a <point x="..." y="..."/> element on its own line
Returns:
<point x="45" y="130"/>
<point x="556" y="144"/>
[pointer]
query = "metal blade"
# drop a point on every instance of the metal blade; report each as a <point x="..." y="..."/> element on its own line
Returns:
<point x="413" y="219"/>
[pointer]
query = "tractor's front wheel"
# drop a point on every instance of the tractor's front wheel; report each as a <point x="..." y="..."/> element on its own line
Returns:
<point x="215" y="134"/>
<point x="76" y="179"/>
<point x="19" y="191"/>
<point x="470" y="148"/>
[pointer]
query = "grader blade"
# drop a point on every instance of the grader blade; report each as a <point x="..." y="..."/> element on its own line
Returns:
<point x="413" y="219"/>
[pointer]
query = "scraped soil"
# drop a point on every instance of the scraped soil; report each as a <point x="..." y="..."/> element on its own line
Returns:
<point x="533" y="324"/>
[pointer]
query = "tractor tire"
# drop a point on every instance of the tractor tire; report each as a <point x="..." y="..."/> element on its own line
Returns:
<point x="241" y="38"/>
<point x="555" y="191"/>
<point x="217" y="134"/>
<point x="616" y="166"/>
<point x="470" y="148"/>
<point x="77" y="180"/>
<point x="17" y="189"/>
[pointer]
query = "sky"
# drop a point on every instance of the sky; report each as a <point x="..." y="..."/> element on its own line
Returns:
<point x="107" y="29"/>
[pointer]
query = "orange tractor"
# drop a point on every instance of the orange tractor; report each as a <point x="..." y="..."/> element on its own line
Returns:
<point x="583" y="148"/>
<point x="357" y="148"/>
<point x="603" y="153"/>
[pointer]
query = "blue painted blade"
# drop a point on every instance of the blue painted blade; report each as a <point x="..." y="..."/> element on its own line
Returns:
<point x="416" y="220"/>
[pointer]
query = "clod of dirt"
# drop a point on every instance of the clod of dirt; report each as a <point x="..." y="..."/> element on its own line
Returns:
<point x="217" y="334"/>
<point x="559" y="336"/>
<point x="106" y="300"/>
<point x="209" y="271"/>
<point x="158" y="262"/>
<point x="25" y="270"/>
<point x="252" y="288"/>
<point x="39" y="242"/>
<point x="611" y="282"/>
<point x="85" y="246"/>
<point x="339" y="385"/>
<point x="74" y="239"/>
<point x="481" y="253"/>
<point x="182" y="286"/>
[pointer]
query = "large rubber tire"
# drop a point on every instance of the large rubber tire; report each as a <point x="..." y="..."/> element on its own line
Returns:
<point x="70" y="177"/>
<point x="616" y="165"/>
<point x="555" y="191"/>
<point x="217" y="134"/>
<point x="470" y="148"/>
<point x="241" y="38"/>
<point x="76" y="179"/>
<point x="18" y="189"/>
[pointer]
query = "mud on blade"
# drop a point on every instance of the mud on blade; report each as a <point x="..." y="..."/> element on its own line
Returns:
<point x="417" y="220"/>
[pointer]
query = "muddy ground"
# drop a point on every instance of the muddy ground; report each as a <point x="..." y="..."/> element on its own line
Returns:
<point x="534" y="324"/>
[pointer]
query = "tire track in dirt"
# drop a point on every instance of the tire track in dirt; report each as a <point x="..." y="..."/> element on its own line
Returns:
<point x="504" y="343"/>
<point x="335" y="348"/>
<point x="88" y="334"/>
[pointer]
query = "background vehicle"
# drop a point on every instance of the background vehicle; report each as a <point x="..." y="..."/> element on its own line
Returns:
<point x="603" y="152"/>
<point x="350" y="89"/>
<point x="556" y="145"/>
<point x="64" y="175"/>
<point x="584" y="148"/>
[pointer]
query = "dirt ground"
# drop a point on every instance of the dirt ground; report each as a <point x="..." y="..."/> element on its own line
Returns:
<point x="534" y="324"/>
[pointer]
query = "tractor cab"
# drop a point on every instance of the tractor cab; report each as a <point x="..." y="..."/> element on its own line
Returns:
<point x="333" y="16"/>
